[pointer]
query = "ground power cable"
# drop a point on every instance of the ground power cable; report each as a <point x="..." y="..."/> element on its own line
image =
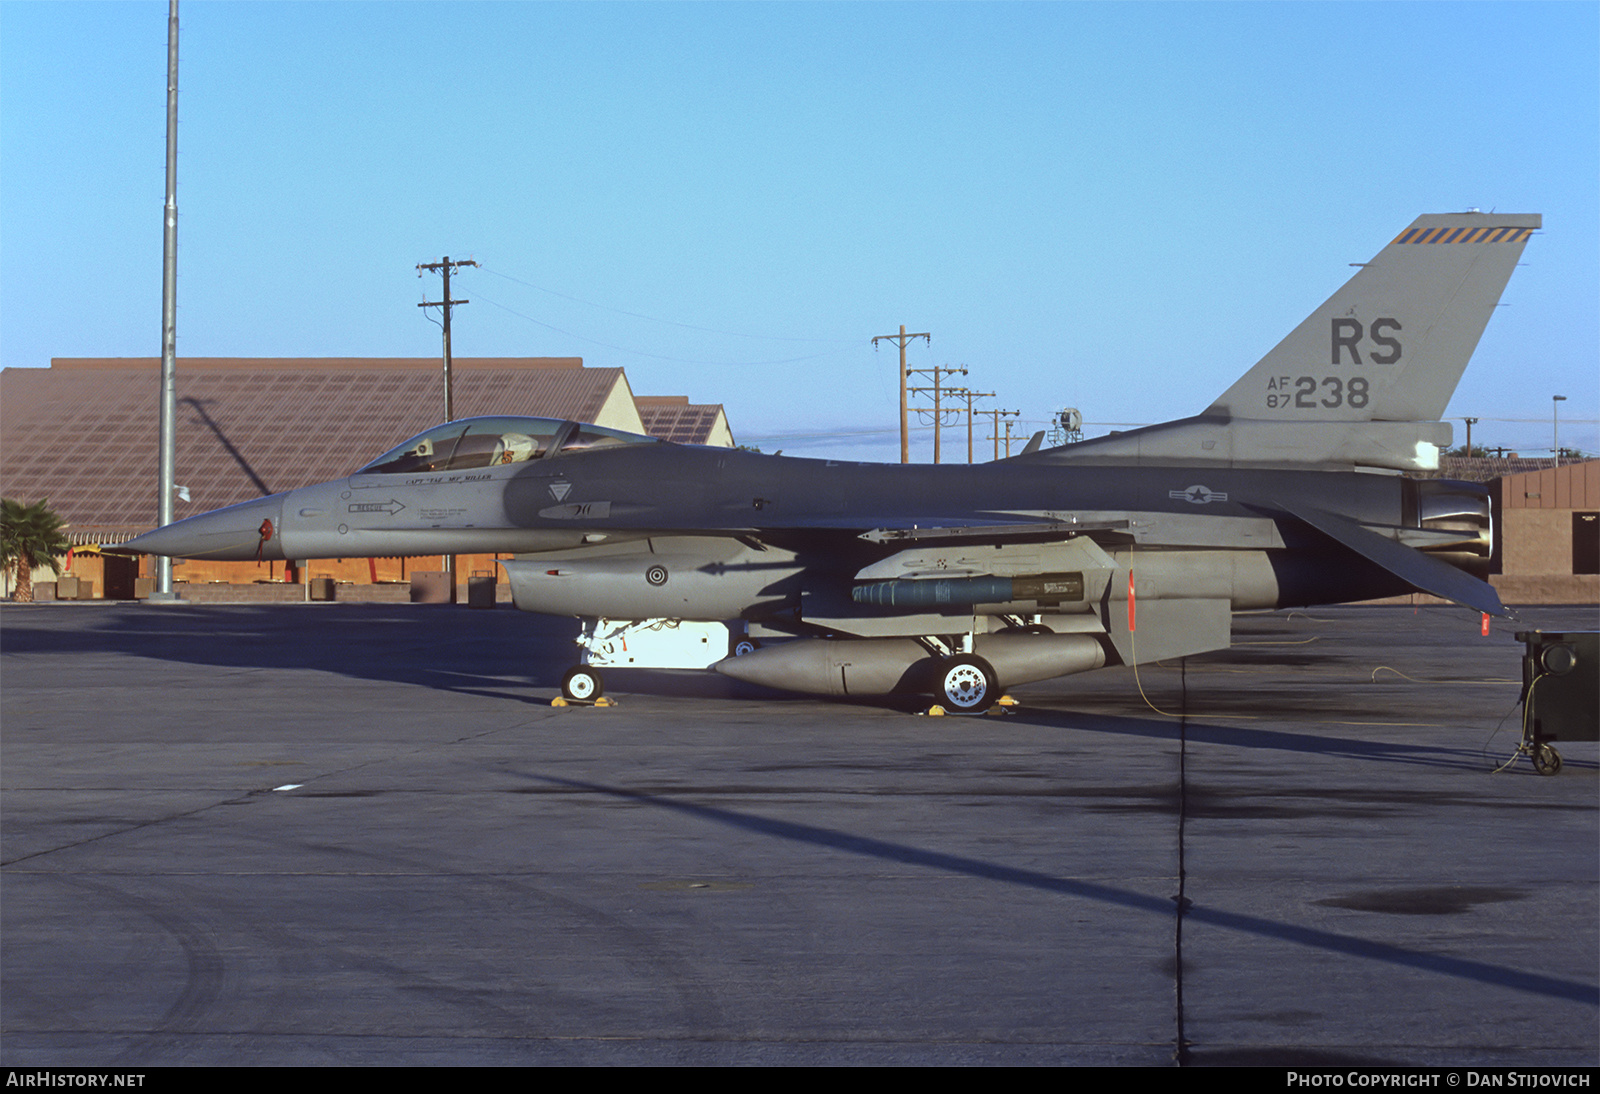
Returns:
<point x="1133" y="646"/>
<point x="1522" y="746"/>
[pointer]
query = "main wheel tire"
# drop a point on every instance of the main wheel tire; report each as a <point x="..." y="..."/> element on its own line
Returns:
<point x="967" y="684"/>
<point x="742" y="645"/>
<point x="582" y="684"/>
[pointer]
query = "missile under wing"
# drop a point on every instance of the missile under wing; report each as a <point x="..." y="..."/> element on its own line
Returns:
<point x="1290" y="488"/>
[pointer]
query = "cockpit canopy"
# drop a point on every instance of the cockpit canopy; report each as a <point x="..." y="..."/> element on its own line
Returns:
<point x="489" y="442"/>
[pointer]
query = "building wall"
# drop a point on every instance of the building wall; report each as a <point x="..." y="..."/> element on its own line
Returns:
<point x="1537" y="508"/>
<point x="619" y="410"/>
<point x="1571" y="486"/>
<point x="1542" y="559"/>
<point x="41" y="575"/>
<point x="94" y="568"/>
<point x="356" y="571"/>
<point x="1536" y="541"/>
<point x="721" y="434"/>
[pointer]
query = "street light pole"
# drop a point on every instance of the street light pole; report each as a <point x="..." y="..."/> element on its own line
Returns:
<point x="167" y="459"/>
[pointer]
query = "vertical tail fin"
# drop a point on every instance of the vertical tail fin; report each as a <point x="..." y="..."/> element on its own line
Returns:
<point x="1364" y="380"/>
<point x="1392" y="343"/>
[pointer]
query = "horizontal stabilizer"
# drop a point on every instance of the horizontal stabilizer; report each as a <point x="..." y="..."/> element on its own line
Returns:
<point x="1423" y="572"/>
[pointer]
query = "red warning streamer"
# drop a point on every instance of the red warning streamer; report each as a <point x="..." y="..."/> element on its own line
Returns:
<point x="1130" y="602"/>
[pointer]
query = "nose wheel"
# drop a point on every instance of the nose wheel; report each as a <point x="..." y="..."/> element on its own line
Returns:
<point x="582" y="684"/>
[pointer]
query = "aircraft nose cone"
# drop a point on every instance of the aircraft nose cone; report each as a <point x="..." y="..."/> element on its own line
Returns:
<point x="238" y="533"/>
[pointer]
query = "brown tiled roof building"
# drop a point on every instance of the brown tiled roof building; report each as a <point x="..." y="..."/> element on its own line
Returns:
<point x="674" y="418"/>
<point x="84" y="432"/>
<point x="1486" y="468"/>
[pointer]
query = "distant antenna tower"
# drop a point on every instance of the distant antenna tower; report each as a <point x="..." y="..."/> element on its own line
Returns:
<point x="1068" y="427"/>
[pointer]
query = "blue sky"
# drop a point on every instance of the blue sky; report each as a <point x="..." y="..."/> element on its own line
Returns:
<point x="1117" y="207"/>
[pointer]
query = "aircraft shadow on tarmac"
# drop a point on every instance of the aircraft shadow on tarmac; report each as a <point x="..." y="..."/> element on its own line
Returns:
<point x="1210" y="733"/>
<point x="517" y="657"/>
<point x="907" y="855"/>
<point x="493" y="654"/>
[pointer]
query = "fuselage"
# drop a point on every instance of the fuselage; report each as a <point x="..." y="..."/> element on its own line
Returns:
<point x="1285" y="490"/>
<point x="757" y="530"/>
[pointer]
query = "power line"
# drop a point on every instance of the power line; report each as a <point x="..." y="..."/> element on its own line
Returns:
<point x="656" y="319"/>
<point x="656" y="356"/>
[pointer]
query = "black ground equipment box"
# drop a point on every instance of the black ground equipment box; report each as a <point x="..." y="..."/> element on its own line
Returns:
<point x="1560" y="693"/>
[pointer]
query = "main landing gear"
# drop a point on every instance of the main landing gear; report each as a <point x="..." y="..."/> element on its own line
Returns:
<point x="963" y="682"/>
<point x="967" y="684"/>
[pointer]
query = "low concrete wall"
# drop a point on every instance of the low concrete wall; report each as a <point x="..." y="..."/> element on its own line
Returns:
<point x="398" y="592"/>
<point x="223" y="593"/>
<point x="1525" y="589"/>
<point x="279" y="593"/>
<point x="1548" y="588"/>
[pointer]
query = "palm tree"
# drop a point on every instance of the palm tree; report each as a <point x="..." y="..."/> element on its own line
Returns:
<point x="30" y="535"/>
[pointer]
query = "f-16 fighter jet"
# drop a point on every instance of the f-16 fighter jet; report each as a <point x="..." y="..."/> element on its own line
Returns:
<point x="840" y="578"/>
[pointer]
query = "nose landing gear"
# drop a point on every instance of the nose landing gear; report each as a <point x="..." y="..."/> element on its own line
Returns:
<point x="582" y="684"/>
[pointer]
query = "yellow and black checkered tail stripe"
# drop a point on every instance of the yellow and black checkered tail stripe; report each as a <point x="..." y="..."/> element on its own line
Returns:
<point x="1461" y="234"/>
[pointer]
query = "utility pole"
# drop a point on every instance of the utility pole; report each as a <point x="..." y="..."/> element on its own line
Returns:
<point x="1008" y="438"/>
<point x="903" y="338"/>
<point x="937" y="388"/>
<point x="1555" y="427"/>
<point x="445" y="267"/>
<point x="168" y="459"/>
<point x="969" y="395"/>
<point x="995" y="416"/>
